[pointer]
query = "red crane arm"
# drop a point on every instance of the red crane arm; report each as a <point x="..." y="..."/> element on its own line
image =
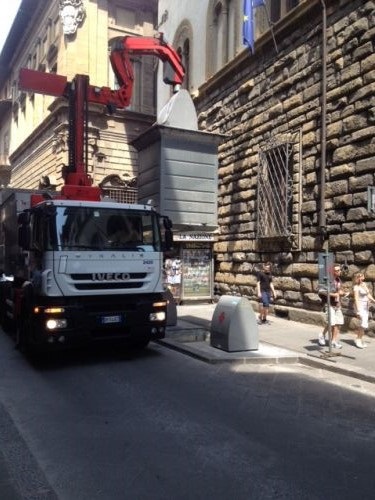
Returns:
<point x="80" y="93"/>
<point x="43" y="83"/>
<point x="122" y="48"/>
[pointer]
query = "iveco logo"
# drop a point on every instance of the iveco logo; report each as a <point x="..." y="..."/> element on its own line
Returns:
<point x="110" y="276"/>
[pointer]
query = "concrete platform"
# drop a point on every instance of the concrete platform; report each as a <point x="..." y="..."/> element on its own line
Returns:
<point x="280" y="341"/>
<point x="203" y="351"/>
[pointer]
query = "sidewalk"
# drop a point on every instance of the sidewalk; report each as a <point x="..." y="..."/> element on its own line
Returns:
<point x="281" y="341"/>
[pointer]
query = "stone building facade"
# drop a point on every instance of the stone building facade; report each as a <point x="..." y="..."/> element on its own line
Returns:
<point x="296" y="169"/>
<point x="71" y="37"/>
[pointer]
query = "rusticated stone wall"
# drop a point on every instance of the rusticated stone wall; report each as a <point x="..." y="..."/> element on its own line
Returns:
<point x="262" y="97"/>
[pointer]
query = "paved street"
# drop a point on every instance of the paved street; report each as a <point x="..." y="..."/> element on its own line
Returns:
<point x="163" y="425"/>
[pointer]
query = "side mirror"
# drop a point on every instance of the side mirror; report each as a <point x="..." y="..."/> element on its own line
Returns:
<point x="24" y="218"/>
<point x="24" y="237"/>
<point x="168" y="235"/>
<point x="167" y="223"/>
<point x="168" y="240"/>
<point x="24" y="230"/>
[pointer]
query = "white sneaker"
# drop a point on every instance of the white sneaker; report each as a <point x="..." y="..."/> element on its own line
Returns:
<point x="321" y="340"/>
<point x="337" y="345"/>
<point x="360" y="344"/>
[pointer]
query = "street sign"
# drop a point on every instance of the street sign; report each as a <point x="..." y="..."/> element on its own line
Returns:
<point x="325" y="266"/>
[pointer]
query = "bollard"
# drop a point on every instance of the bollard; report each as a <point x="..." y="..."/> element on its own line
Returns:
<point x="234" y="326"/>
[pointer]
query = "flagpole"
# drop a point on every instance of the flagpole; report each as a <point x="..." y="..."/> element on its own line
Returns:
<point x="270" y="24"/>
<point x="248" y="26"/>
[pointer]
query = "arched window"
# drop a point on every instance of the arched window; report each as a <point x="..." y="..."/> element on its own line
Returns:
<point x="182" y="42"/>
<point x="184" y="52"/>
<point x="224" y="32"/>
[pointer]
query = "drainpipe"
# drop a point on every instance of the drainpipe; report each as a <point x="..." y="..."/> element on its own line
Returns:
<point x="323" y="142"/>
<point x="224" y="47"/>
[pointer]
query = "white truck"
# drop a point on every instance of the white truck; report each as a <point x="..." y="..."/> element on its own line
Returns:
<point x="76" y="275"/>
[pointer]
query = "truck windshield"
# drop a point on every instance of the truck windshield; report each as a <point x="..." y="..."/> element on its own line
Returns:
<point x="104" y="228"/>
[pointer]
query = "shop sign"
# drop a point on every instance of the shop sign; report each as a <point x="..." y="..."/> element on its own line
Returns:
<point x="196" y="236"/>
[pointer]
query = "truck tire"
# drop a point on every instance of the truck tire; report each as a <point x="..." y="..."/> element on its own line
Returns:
<point x="140" y="344"/>
<point x="24" y="326"/>
<point x="25" y="344"/>
<point x="22" y="336"/>
<point x="7" y="323"/>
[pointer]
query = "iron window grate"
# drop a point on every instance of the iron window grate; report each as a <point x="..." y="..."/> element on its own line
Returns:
<point x="275" y="191"/>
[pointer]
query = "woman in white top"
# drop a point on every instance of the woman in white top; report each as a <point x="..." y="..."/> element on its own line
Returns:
<point x="362" y="297"/>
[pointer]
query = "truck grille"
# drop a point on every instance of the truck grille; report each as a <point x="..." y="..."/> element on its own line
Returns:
<point x="85" y="282"/>
<point x="88" y="277"/>
<point x="108" y="286"/>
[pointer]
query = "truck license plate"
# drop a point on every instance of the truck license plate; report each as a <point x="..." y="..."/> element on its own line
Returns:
<point x="111" y="319"/>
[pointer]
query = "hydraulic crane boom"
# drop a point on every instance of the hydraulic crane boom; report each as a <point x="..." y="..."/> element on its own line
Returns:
<point x="78" y="183"/>
<point x="123" y="48"/>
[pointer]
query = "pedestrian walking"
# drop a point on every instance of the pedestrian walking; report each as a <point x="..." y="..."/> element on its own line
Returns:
<point x="265" y="291"/>
<point x="334" y="310"/>
<point x="362" y="299"/>
<point x="323" y="338"/>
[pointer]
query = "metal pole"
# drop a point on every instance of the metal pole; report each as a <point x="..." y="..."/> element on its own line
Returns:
<point x="323" y="161"/>
<point x="323" y="143"/>
<point x="270" y="24"/>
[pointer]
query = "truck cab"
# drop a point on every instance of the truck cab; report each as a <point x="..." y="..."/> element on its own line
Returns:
<point x="86" y="271"/>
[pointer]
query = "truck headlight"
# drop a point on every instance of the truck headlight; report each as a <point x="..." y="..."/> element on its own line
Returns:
<point x="56" y="324"/>
<point x="157" y="316"/>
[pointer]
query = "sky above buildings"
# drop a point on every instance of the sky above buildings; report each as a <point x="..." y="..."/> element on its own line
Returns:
<point x="8" y="11"/>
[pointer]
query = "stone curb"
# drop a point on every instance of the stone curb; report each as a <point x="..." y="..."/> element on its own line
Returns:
<point x="357" y="373"/>
<point x="199" y="349"/>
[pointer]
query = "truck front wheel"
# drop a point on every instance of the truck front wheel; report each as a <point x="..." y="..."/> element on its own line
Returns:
<point x="140" y="343"/>
<point x="5" y="309"/>
<point x="23" y="336"/>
